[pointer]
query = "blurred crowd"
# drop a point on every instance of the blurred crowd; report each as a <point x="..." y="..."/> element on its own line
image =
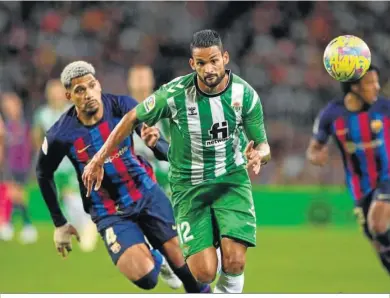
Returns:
<point x="276" y="46"/>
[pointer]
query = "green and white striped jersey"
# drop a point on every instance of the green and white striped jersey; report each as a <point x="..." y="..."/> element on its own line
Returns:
<point x="207" y="131"/>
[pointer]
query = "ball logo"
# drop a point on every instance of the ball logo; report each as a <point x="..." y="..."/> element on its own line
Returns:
<point x="149" y="103"/>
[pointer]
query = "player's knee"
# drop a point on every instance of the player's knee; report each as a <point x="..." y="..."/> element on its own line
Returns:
<point x="378" y="221"/>
<point x="148" y="282"/>
<point x="233" y="262"/>
<point x="206" y="274"/>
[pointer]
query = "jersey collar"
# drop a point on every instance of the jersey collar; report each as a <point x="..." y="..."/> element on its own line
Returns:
<point x="228" y="71"/>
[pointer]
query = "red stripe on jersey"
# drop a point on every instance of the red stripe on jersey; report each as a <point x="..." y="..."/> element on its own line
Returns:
<point x="366" y="136"/>
<point x="386" y="134"/>
<point x="340" y="126"/>
<point x="120" y="166"/>
<point x="148" y="169"/>
<point x="82" y="155"/>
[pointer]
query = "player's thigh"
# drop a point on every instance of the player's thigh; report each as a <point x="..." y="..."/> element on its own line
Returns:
<point x="194" y="222"/>
<point x="125" y="242"/>
<point x="234" y="211"/>
<point x="156" y="218"/>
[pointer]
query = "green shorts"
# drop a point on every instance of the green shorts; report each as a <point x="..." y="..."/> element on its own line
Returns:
<point x="207" y="212"/>
<point x="66" y="182"/>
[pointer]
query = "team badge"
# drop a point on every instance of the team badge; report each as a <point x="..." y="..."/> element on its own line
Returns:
<point x="115" y="248"/>
<point x="149" y="103"/>
<point x="237" y="106"/>
<point x="376" y="126"/>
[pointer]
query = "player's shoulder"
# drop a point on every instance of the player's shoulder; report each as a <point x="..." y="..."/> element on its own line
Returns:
<point x="383" y="102"/>
<point x="63" y="126"/>
<point x="249" y="92"/>
<point x="178" y="85"/>
<point x="333" y="108"/>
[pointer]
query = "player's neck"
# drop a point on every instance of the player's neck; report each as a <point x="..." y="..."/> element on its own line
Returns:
<point x="353" y="103"/>
<point x="90" y="120"/>
<point x="214" y="90"/>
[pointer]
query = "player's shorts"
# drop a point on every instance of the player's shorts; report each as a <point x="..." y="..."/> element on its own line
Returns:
<point x="151" y="216"/>
<point x="381" y="193"/>
<point x="207" y="212"/>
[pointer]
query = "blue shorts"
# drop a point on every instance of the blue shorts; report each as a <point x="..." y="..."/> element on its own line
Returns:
<point x="151" y="216"/>
<point x="381" y="193"/>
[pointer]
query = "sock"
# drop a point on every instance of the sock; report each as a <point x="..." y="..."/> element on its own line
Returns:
<point x="149" y="281"/>
<point x="219" y="257"/>
<point x="384" y="238"/>
<point x="385" y="262"/>
<point x="23" y="211"/>
<point x="191" y="285"/>
<point x="229" y="283"/>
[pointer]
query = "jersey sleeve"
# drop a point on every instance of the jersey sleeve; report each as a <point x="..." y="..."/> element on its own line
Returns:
<point x="126" y="104"/>
<point x="321" y="127"/>
<point x="253" y="118"/>
<point x="154" y="108"/>
<point x="49" y="158"/>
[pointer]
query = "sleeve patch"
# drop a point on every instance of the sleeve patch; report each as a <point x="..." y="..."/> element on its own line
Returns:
<point x="149" y="103"/>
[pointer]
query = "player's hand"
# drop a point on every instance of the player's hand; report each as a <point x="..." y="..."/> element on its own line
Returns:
<point x="93" y="173"/>
<point x="254" y="158"/>
<point x="150" y="135"/>
<point x="320" y="157"/>
<point x="63" y="239"/>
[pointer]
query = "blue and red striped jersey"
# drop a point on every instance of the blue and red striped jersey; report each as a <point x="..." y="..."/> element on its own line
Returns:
<point x="125" y="177"/>
<point x="364" y="141"/>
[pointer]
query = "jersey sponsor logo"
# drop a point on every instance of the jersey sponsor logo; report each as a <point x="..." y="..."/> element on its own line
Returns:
<point x="45" y="146"/>
<point x="82" y="150"/>
<point x="351" y="147"/>
<point x="149" y="103"/>
<point x="376" y="126"/>
<point x="219" y="133"/>
<point x="117" y="155"/>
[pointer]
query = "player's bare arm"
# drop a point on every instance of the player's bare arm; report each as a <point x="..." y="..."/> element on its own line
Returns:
<point x="317" y="153"/>
<point x="93" y="171"/>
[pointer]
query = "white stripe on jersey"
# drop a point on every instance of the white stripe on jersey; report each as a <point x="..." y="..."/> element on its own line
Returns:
<point x="220" y="147"/>
<point x="237" y="98"/>
<point x="172" y="107"/>
<point x="255" y="99"/>
<point x="195" y="131"/>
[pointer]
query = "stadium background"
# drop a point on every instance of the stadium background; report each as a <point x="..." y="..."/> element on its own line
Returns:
<point x="308" y="239"/>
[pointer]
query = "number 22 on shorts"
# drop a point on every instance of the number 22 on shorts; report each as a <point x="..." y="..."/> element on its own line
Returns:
<point x="184" y="229"/>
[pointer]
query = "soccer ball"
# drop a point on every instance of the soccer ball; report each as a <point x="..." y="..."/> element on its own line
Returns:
<point x="347" y="58"/>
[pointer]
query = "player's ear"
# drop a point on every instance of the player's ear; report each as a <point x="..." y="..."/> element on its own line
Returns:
<point x="192" y="63"/>
<point x="67" y="95"/>
<point x="98" y="86"/>
<point x="225" y="57"/>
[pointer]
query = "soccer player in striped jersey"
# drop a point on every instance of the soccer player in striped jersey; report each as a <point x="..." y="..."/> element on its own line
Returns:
<point x="129" y="205"/>
<point x="359" y="122"/>
<point x="210" y="111"/>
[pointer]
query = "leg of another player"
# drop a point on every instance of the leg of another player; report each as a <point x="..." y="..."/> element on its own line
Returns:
<point x="231" y="279"/>
<point x="174" y="256"/>
<point x="379" y="225"/>
<point x="204" y="265"/>
<point x="140" y="265"/>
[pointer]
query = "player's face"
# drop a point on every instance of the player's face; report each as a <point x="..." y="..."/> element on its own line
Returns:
<point x="209" y="64"/>
<point x="56" y="95"/>
<point x="12" y="106"/>
<point x="368" y="87"/>
<point x="86" y="94"/>
<point x="141" y="82"/>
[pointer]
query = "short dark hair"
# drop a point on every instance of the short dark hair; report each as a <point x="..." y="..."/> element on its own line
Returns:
<point x="346" y="86"/>
<point x="206" y="39"/>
